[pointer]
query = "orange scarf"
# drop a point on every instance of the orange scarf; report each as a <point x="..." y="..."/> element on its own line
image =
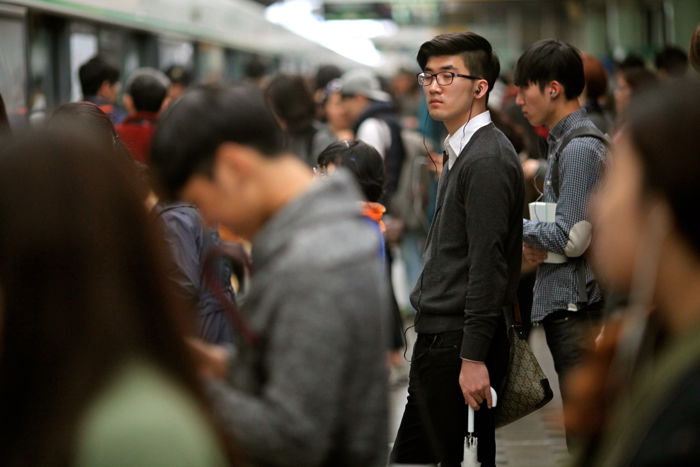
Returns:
<point x="374" y="211"/>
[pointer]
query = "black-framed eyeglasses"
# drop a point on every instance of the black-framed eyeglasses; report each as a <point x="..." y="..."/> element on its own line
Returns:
<point x="444" y="78"/>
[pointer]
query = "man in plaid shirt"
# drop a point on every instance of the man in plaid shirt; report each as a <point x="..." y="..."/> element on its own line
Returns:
<point x="567" y="298"/>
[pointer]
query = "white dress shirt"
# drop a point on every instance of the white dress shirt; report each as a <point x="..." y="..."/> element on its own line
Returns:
<point x="456" y="142"/>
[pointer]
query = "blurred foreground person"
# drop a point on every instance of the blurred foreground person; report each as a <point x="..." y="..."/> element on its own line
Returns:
<point x="93" y="367"/>
<point x="636" y="398"/>
<point x="308" y="386"/>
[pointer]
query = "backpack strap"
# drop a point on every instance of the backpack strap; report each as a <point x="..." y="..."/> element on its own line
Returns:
<point x="580" y="132"/>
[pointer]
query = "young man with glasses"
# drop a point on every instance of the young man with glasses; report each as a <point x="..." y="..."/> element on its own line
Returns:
<point x="472" y="261"/>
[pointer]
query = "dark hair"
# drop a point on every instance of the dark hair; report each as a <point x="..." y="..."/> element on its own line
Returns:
<point x="84" y="289"/>
<point x="476" y="53"/>
<point x="147" y="91"/>
<point x="93" y="73"/>
<point x="551" y="60"/>
<point x="81" y="117"/>
<point x="291" y="100"/>
<point x="254" y="68"/>
<point x="667" y="147"/>
<point x="631" y="61"/>
<point x="192" y="129"/>
<point x="638" y="79"/>
<point x="325" y="74"/>
<point x="178" y="74"/>
<point x="362" y="160"/>
<point x="596" y="77"/>
<point x="672" y="59"/>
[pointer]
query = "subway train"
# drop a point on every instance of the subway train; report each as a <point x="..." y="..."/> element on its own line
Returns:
<point x="44" y="42"/>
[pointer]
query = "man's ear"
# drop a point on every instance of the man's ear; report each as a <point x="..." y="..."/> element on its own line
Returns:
<point x="235" y="160"/>
<point x="482" y="88"/>
<point x="554" y="89"/>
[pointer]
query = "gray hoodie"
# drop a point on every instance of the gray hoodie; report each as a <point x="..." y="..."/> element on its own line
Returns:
<point x="313" y="393"/>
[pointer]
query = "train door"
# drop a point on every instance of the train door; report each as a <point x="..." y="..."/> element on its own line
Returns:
<point x="13" y="63"/>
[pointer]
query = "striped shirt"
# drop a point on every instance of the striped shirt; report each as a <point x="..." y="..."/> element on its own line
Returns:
<point x="580" y="167"/>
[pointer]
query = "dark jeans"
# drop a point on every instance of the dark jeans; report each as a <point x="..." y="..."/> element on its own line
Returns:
<point x="434" y="422"/>
<point x="569" y="334"/>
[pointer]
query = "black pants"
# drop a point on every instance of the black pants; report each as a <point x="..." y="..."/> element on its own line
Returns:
<point x="569" y="334"/>
<point x="434" y="422"/>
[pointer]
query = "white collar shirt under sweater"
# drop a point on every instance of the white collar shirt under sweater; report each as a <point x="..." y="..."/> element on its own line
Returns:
<point x="456" y="142"/>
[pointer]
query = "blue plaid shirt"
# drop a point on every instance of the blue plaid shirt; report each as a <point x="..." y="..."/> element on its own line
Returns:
<point x="580" y="167"/>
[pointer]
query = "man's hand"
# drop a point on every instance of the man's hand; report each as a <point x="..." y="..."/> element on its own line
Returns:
<point x="475" y="384"/>
<point x="212" y="360"/>
<point x="532" y="257"/>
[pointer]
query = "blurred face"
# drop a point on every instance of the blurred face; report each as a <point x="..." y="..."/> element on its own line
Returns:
<point x="623" y="92"/>
<point x="232" y="197"/>
<point x="619" y="217"/>
<point x="336" y="114"/>
<point x="353" y="106"/>
<point x="450" y="104"/>
<point x="535" y="104"/>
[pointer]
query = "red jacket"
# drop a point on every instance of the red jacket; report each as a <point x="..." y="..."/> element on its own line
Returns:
<point x="136" y="133"/>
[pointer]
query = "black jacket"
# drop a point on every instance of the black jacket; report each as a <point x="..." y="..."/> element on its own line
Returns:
<point x="474" y="247"/>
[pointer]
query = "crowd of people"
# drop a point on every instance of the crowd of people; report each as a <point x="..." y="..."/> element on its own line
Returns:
<point x="205" y="274"/>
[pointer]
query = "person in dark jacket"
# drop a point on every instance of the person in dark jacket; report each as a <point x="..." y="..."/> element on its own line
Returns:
<point x="99" y="81"/>
<point x="472" y="261"/>
<point x="190" y="243"/>
<point x="375" y="122"/>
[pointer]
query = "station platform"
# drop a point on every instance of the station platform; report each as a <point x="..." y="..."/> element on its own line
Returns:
<point x="534" y="441"/>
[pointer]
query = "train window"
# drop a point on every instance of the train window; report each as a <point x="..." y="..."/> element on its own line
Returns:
<point x="13" y="64"/>
<point x="83" y="46"/>
<point x="175" y="52"/>
<point x="210" y="63"/>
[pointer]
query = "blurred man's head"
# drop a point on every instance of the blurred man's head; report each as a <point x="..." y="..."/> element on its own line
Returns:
<point x="146" y="91"/>
<point x="671" y="61"/>
<point x="180" y="79"/>
<point x="359" y="89"/>
<point x="221" y="148"/>
<point x="99" y="78"/>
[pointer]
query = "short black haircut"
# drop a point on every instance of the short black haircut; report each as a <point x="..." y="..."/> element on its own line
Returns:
<point x="631" y="61"/>
<point x="147" y="91"/>
<point x="94" y="72"/>
<point x="551" y="60"/>
<point x="179" y="74"/>
<point x="673" y="60"/>
<point x="363" y="161"/>
<point x="205" y="117"/>
<point x="477" y="53"/>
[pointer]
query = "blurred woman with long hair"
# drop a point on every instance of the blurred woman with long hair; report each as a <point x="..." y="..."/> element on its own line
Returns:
<point x="93" y="365"/>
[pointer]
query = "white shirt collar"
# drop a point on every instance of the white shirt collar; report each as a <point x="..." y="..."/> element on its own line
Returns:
<point x="456" y="142"/>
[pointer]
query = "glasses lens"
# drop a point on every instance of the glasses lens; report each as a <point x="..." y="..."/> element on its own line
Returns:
<point x="445" y="78"/>
<point x="423" y="79"/>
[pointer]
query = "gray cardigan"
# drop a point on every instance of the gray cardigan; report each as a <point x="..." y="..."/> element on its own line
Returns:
<point x="474" y="247"/>
<point x="314" y="392"/>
